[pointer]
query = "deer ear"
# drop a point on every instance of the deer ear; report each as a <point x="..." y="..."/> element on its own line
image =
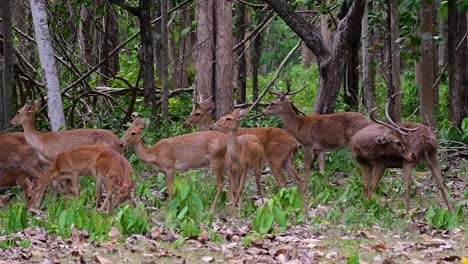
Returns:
<point x="36" y="104"/>
<point x="209" y="106"/>
<point x="240" y="113"/>
<point x="382" y="140"/>
<point x="29" y="184"/>
<point x="282" y="96"/>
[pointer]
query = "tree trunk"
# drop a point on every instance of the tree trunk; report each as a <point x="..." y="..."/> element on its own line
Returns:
<point x="86" y="35"/>
<point x="46" y="57"/>
<point x="184" y="59"/>
<point x="109" y="41"/>
<point x="351" y="87"/>
<point x="242" y="60"/>
<point x="147" y="54"/>
<point x="224" y="58"/>
<point x="2" y="111"/>
<point x="164" y="62"/>
<point x="427" y="62"/>
<point x="204" y="64"/>
<point x="330" y="62"/>
<point x="462" y="60"/>
<point x="368" y="58"/>
<point x="256" y="55"/>
<point x="395" y="109"/>
<point x="455" y="107"/>
<point x="8" y="66"/>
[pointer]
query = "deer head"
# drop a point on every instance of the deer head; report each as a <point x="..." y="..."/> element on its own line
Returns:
<point x="25" y="113"/>
<point x="229" y="122"/>
<point x="133" y="135"/>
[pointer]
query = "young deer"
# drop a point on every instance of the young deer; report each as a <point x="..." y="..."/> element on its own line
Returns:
<point x="244" y="153"/>
<point x="15" y="177"/>
<point x="107" y="165"/>
<point x="183" y="152"/>
<point x="317" y="133"/>
<point x="402" y="145"/>
<point x="49" y="145"/>
<point x="279" y="146"/>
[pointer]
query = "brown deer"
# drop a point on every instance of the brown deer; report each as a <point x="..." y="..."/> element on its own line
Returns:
<point x="279" y="146"/>
<point x="244" y="153"/>
<point x="107" y="165"/>
<point x="402" y="145"/>
<point x="194" y="150"/>
<point x="15" y="177"/>
<point x="317" y="133"/>
<point x="49" y="145"/>
<point x="17" y="154"/>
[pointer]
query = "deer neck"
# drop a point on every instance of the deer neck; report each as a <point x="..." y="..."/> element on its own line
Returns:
<point x="205" y="124"/>
<point x="290" y="119"/>
<point x="31" y="135"/>
<point x="142" y="151"/>
<point x="232" y="147"/>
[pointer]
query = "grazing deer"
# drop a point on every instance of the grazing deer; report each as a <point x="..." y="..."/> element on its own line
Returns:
<point x="402" y="145"/>
<point x="17" y="154"/>
<point x="317" y="133"/>
<point x="278" y="145"/>
<point x="49" y="145"/>
<point x="107" y="165"/>
<point x="244" y="153"/>
<point x="15" y="177"/>
<point x="194" y="150"/>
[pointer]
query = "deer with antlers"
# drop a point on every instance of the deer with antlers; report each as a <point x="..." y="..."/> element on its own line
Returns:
<point x="279" y="146"/>
<point x="395" y="145"/>
<point x="244" y="153"/>
<point x="317" y="133"/>
<point x="194" y="150"/>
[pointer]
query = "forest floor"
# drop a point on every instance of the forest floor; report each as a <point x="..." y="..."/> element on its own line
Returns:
<point x="410" y="240"/>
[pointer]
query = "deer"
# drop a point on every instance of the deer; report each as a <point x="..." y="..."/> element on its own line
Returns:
<point x="48" y="145"/>
<point x="244" y="153"/>
<point x="278" y="145"/>
<point x="18" y="155"/>
<point x="317" y="132"/>
<point x="16" y="177"/>
<point x="395" y="145"/>
<point x="105" y="164"/>
<point x="194" y="150"/>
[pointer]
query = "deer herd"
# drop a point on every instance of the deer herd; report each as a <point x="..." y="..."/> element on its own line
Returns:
<point x="34" y="160"/>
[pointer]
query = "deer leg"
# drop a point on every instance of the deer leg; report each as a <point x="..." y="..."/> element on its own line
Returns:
<point x="170" y="173"/>
<point x="98" y="190"/>
<point x="308" y="154"/>
<point x="366" y="173"/>
<point x="288" y="167"/>
<point x="258" y="177"/>
<point x="433" y="164"/>
<point x="321" y="160"/>
<point x="275" y="167"/>
<point x="407" y="176"/>
<point x="75" y="184"/>
<point x="377" y="173"/>
<point x="217" y="168"/>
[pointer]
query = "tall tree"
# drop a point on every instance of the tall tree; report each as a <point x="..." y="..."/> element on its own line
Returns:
<point x="368" y="59"/>
<point x="395" y="106"/>
<point x="204" y="63"/>
<point x="241" y="58"/>
<point x="256" y="55"/>
<point x="143" y="13"/>
<point x="427" y="63"/>
<point x="110" y="40"/>
<point x="330" y="61"/>
<point x="8" y="53"/>
<point x="164" y="61"/>
<point x="224" y="58"/>
<point x="46" y="57"/>
<point x="351" y="84"/>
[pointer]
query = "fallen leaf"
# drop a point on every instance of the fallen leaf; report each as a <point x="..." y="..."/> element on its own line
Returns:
<point x="379" y="247"/>
<point x="114" y="234"/>
<point x="207" y="259"/>
<point x="103" y="260"/>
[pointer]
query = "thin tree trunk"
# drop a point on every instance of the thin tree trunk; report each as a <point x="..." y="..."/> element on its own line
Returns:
<point x="86" y="35"/>
<point x="2" y="111"/>
<point x="185" y="47"/>
<point x="147" y="52"/>
<point x="368" y="88"/>
<point x="351" y="87"/>
<point x="46" y="57"/>
<point x="395" y="110"/>
<point x="455" y="111"/>
<point x="256" y="55"/>
<point x="8" y="53"/>
<point x="110" y="40"/>
<point x="462" y="60"/>
<point x="242" y="60"/>
<point x="427" y="62"/>
<point x="204" y="64"/>
<point x="224" y="58"/>
<point x="164" y="62"/>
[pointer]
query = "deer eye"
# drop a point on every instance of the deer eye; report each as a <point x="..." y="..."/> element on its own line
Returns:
<point x="133" y="133"/>
<point x="228" y="119"/>
<point x="197" y="114"/>
<point x="400" y="144"/>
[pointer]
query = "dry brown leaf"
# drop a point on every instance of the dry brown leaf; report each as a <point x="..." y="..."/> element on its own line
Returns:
<point x="103" y="260"/>
<point x="379" y="247"/>
<point x="114" y="234"/>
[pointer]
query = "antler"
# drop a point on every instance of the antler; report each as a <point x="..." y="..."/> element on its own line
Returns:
<point x="288" y="92"/>
<point x="374" y="118"/>
<point x="390" y="120"/>
<point x="199" y="99"/>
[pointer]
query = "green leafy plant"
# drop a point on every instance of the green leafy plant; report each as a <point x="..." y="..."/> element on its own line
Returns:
<point x="442" y="219"/>
<point x="133" y="220"/>
<point x="16" y="218"/>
